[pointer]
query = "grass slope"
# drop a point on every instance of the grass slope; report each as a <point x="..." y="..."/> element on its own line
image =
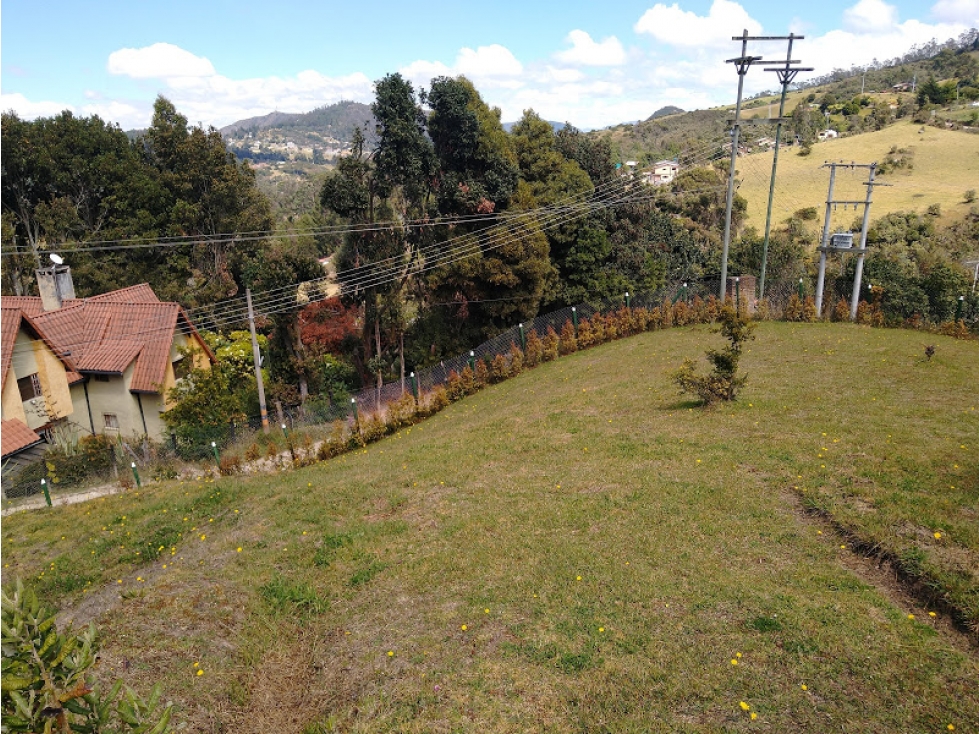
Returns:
<point x="572" y="550"/>
<point x="944" y="168"/>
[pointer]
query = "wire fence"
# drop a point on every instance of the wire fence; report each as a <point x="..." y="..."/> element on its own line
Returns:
<point x="126" y="460"/>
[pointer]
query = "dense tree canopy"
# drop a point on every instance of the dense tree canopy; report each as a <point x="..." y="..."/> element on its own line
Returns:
<point x="71" y="183"/>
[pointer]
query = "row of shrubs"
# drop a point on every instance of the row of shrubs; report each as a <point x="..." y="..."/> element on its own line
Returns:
<point x="868" y="314"/>
<point x="345" y="435"/>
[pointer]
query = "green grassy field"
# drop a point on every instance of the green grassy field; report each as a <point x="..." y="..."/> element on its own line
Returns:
<point x="944" y="168"/>
<point x="576" y="549"/>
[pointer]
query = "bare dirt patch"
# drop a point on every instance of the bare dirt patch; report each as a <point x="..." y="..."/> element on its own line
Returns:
<point x="876" y="568"/>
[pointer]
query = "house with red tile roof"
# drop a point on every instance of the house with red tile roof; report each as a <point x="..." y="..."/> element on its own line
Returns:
<point x="36" y="387"/>
<point x="127" y="349"/>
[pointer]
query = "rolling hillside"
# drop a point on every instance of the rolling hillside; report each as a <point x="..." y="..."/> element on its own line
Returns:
<point x="944" y="165"/>
<point x="575" y="549"/>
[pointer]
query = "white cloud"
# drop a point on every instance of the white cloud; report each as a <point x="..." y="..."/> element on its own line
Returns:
<point x="28" y="110"/>
<point x="487" y="67"/>
<point x="159" y="61"/>
<point x="870" y="16"/>
<point x="683" y="28"/>
<point x="957" y="11"/>
<point x="218" y="100"/>
<point x="209" y="98"/>
<point x="844" y="49"/>
<point x="127" y="116"/>
<point x="586" y="52"/>
<point x="494" y="60"/>
<point x="559" y="75"/>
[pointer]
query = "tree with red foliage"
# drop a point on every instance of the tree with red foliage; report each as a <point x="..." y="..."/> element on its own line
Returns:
<point x="326" y="325"/>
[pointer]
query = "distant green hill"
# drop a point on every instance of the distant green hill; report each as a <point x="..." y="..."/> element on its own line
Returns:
<point x="922" y="166"/>
<point x="336" y="120"/>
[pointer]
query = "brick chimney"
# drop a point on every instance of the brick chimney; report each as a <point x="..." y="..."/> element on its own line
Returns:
<point x="55" y="285"/>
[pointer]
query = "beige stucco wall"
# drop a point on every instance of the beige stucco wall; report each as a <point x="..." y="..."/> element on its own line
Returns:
<point x="33" y="356"/>
<point x="112" y="396"/>
<point x="54" y="381"/>
<point x="12" y="407"/>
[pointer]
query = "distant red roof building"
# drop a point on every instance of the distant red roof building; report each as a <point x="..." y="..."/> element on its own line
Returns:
<point x="127" y="338"/>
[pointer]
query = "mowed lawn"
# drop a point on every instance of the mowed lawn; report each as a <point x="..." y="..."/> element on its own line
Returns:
<point x="574" y="550"/>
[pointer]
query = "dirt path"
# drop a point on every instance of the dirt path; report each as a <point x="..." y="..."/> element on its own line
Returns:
<point x="37" y="502"/>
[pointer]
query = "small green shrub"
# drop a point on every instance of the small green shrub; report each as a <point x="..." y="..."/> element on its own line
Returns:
<point x="482" y="374"/>
<point x="534" y="351"/>
<point x="48" y="683"/>
<point x="568" y="340"/>
<point x="723" y="382"/>
<point x="401" y="413"/>
<point x="438" y="399"/>
<point x="516" y="360"/>
<point x="372" y="429"/>
<point x="454" y="387"/>
<point x="598" y="329"/>
<point x="229" y="465"/>
<point x="551" y="342"/>
<point x="499" y="368"/>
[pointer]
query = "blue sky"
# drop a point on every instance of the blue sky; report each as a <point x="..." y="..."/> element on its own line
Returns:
<point x="593" y="63"/>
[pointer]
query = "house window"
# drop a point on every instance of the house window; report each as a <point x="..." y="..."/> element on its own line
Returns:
<point x="111" y="421"/>
<point x="182" y="367"/>
<point x="30" y="387"/>
<point x="101" y="378"/>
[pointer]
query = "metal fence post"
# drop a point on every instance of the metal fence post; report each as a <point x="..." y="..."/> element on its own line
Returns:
<point x="136" y="475"/>
<point x="574" y="319"/>
<point x="414" y="387"/>
<point x="47" y="495"/>
<point x="523" y="338"/>
<point x="217" y="458"/>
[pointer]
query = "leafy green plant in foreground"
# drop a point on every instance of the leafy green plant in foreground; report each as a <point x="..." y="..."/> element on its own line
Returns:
<point x="723" y="383"/>
<point x="47" y="681"/>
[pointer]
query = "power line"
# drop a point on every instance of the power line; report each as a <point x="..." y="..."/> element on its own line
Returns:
<point x="284" y="298"/>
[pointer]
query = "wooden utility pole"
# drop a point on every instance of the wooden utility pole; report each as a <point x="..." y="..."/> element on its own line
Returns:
<point x="256" y="356"/>
<point x="786" y="74"/>
<point x="741" y="64"/>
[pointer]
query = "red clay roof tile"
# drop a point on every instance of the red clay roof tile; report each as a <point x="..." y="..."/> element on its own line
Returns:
<point x="15" y="436"/>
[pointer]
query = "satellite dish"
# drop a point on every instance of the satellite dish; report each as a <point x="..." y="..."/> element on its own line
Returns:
<point x="56" y="259"/>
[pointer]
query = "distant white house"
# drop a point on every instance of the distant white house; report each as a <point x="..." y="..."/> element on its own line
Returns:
<point x="827" y="134"/>
<point x="663" y="172"/>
